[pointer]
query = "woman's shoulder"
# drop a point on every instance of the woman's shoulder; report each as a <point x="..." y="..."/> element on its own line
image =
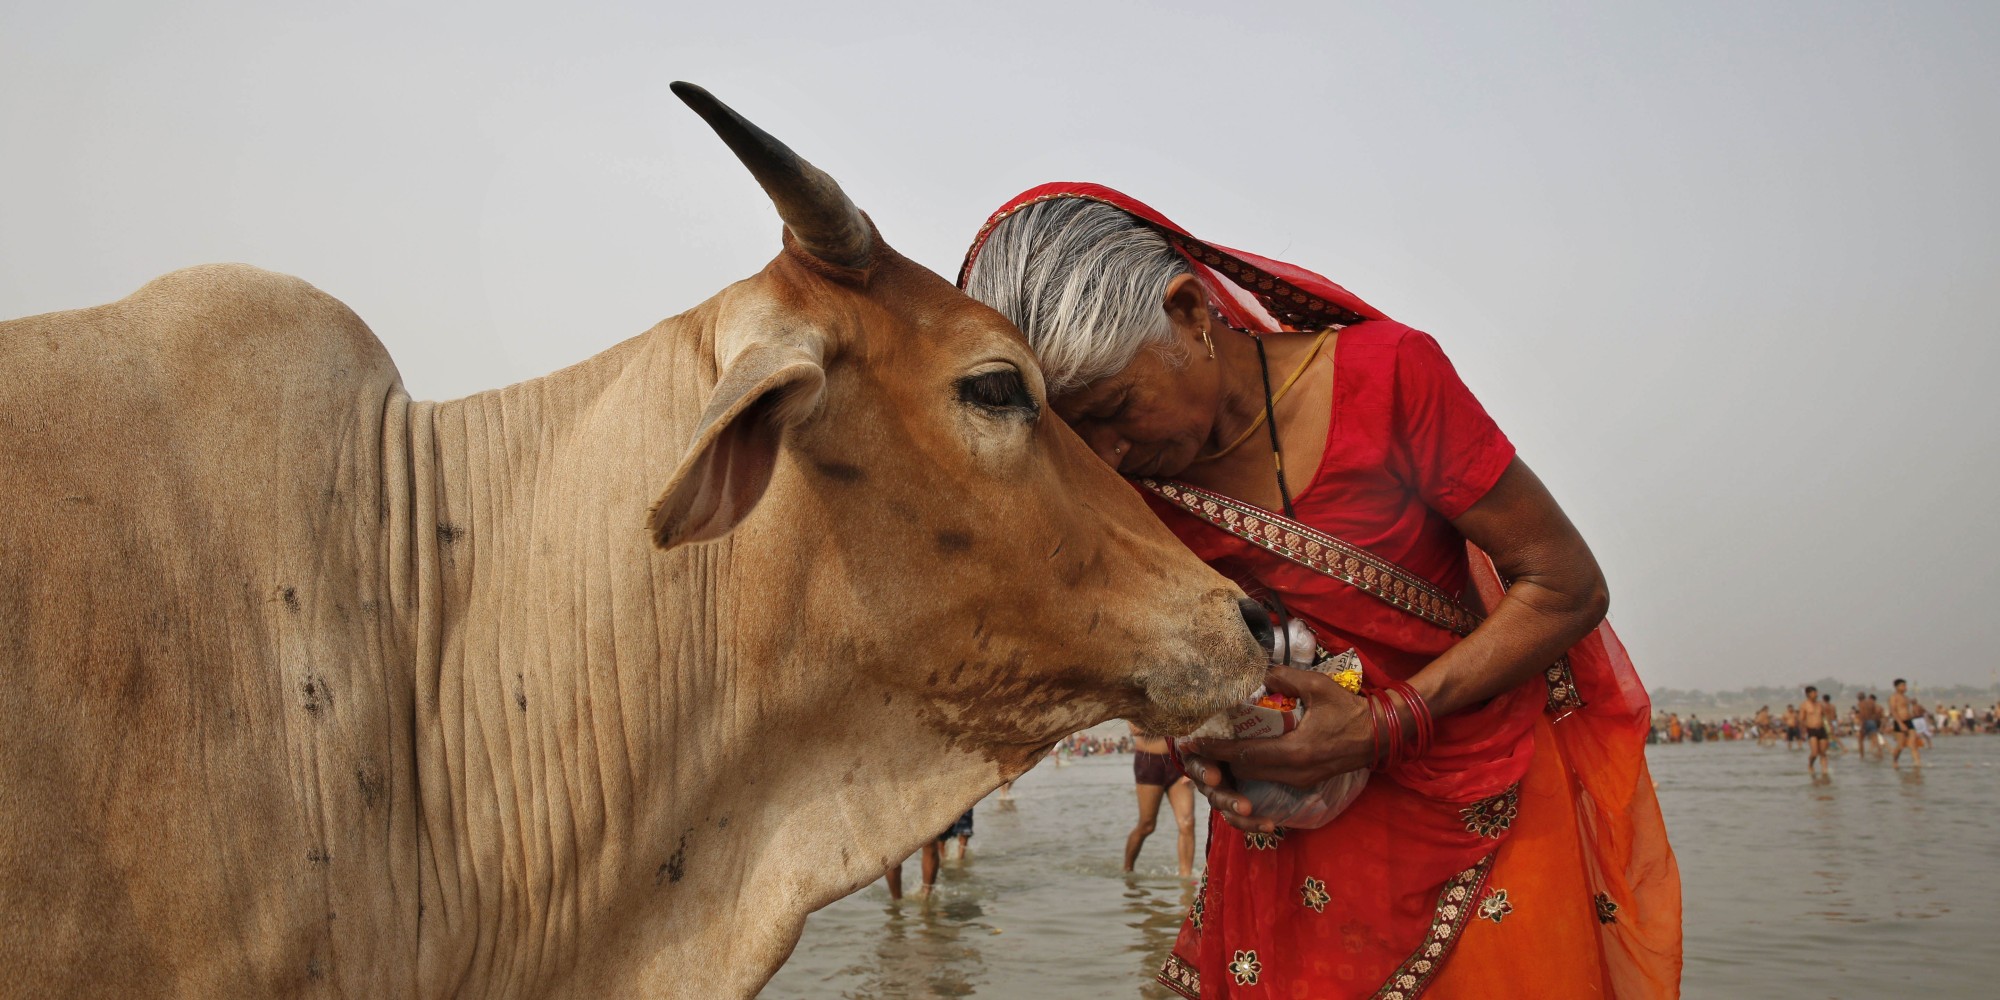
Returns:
<point x="1388" y="341"/>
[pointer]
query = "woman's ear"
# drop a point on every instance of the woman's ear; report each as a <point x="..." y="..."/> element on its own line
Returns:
<point x="1186" y="305"/>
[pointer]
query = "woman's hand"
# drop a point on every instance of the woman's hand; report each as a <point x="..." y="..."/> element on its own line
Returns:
<point x="1335" y="737"/>
<point x="1212" y="780"/>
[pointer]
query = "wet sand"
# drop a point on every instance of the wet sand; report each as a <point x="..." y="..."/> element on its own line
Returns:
<point x="1879" y="884"/>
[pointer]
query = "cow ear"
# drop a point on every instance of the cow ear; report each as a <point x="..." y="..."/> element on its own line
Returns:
<point x="768" y="387"/>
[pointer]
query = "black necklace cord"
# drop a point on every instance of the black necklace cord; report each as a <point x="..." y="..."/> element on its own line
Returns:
<point x="1271" y="421"/>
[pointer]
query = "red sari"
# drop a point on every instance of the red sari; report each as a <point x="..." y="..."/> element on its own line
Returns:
<point x="1524" y="855"/>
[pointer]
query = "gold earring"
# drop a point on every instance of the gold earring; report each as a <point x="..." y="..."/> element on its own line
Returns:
<point x="1210" y="343"/>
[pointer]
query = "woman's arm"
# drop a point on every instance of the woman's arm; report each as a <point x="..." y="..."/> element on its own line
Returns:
<point x="1557" y="596"/>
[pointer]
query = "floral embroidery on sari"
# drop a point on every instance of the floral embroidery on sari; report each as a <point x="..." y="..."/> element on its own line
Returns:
<point x="1264" y="841"/>
<point x="1314" y="895"/>
<point x="1607" y="909"/>
<point x="1492" y="816"/>
<point x="1495" y="906"/>
<point x="1196" y="908"/>
<point x="1245" y="968"/>
<point x="1454" y="910"/>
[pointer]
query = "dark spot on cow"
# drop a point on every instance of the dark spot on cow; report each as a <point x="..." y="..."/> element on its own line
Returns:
<point x="932" y="680"/>
<point x="314" y="970"/>
<point x="520" y="693"/>
<point x="319" y="856"/>
<point x="956" y="671"/>
<point x="887" y="697"/>
<point x="722" y="824"/>
<point x="80" y="498"/>
<point x="847" y="779"/>
<point x="291" y="597"/>
<point x="370" y="607"/>
<point x="953" y="541"/>
<point x="330" y="915"/>
<point x="370" y="784"/>
<point x="677" y="865"/>
<point x="449" y="533"/>
<point x="317" y="695"/>
<point x="1095" y="617"/>
<point x="136" y="686"/>
<point x="840" y="471"/>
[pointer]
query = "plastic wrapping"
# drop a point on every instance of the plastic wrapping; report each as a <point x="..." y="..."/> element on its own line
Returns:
<point x="1268" y="715"/>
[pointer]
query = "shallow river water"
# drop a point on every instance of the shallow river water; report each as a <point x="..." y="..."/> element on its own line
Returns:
<point x="1878" y="884"/>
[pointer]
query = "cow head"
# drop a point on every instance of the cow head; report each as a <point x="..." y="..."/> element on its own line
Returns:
<point x="887" y="441"/>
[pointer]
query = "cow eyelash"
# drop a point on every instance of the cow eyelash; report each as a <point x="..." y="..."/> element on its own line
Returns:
<point x="1000" y="389"/>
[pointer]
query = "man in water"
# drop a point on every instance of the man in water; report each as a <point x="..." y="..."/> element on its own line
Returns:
<point x="1155" y="777"/>
<point x="1900" y="711"/>
<point x="1764" y="734"/>
<point x="1832" y="717"/>
<point x="1868" y="723"/>
<point x="932" y="853"/>
<point x="1791" y="721"/>
<point x="1814" y="718"/>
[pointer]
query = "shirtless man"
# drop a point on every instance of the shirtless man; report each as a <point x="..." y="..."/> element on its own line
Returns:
<point x="1814" y="718"/>
<point x="1791" y="721"/>
<point x="1868" y="724"/>
<point x="1764" y="734"/>
<point x="1900" y="711"/>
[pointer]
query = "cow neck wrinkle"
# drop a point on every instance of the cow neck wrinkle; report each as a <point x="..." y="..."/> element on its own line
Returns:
<point x="548" y="669"/>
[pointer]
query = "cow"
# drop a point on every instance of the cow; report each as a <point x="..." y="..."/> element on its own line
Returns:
<point x="592" y="686"/>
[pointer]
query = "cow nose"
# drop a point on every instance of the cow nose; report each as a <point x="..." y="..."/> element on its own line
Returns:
<point x="1259" y="621"/>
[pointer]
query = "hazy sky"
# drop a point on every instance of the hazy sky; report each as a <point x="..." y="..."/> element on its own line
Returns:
<point x="1726" y="272"/>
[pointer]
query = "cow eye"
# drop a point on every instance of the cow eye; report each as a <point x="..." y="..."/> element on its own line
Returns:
<point x="999" y="389"/>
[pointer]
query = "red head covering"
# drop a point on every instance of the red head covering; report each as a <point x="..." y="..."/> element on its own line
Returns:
<point x="1253" y="293"/>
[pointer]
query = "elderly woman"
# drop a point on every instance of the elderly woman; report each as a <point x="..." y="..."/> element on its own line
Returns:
<point x="1331" y="461"/>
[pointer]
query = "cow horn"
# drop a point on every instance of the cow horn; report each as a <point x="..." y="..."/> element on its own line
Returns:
<point x="816" y="212"/>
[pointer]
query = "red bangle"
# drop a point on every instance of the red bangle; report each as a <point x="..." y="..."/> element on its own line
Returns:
<point x="1395" y="728"/>
<point x="1420" y="717"/>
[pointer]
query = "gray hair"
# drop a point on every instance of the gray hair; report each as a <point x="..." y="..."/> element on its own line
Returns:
<point x="1085" y="281"/>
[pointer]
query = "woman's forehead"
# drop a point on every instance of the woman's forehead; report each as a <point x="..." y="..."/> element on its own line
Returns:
<point x="1085" y="398"/>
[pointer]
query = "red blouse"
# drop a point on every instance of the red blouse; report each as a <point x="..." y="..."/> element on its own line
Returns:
<point x="1408" y="449"/>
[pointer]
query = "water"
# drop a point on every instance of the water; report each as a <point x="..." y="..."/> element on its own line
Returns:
<point x="1877" y="884"/>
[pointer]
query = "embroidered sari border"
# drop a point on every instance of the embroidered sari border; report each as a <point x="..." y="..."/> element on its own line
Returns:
<point x="1318" y="551"/>
<point x="1180" y="977"/>
<point x="1454" y="910"/>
